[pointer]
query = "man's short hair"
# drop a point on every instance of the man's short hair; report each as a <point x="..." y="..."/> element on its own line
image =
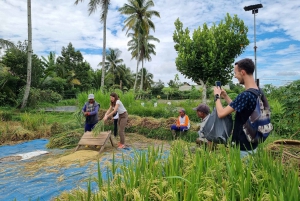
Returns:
<point x="182" y="110"/>
<point x="202" y="108"/>
<point x="246" y="65"/>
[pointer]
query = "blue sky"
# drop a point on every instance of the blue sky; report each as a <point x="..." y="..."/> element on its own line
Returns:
<point x="56" y="23"/>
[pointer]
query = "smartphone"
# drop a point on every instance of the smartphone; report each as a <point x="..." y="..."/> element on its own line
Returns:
<point x="218" y="84"/>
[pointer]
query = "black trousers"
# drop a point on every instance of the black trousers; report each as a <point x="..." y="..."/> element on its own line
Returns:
<point x="115" y="127"/>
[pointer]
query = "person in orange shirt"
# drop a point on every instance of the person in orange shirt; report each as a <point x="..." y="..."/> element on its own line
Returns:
<point x="182" y="122"/>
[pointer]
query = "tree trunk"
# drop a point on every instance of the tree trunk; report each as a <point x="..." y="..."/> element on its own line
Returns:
<point x="203" y="91"/>
<point x="137" y="65"/>
<point x="29" y="52"/>
<point x="142" y="76"/>
<point x="121" y="84"/>
<point x="104" y="46"/>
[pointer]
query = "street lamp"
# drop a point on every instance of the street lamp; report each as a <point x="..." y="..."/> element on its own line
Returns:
<point x="254" y="9"/>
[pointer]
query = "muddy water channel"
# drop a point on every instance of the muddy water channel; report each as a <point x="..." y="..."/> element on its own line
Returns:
<point x="30" y="171"/>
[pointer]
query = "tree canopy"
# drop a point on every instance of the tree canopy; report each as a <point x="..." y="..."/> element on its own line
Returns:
<point x="208" y="55"/>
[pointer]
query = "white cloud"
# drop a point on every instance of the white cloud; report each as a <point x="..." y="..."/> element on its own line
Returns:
<point x="56" y="23"/>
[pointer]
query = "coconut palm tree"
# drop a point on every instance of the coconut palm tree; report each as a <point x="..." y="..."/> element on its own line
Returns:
<point x="139" y="20"/>
<point x="6" y="44"/>
<point x="126" y="78"/>
<point x="113" y="61"/>
<point x="146" y="77"/>
<point x="145" y="48"/>
<point x="50" y="65"/>
<point x="93" y="5"/>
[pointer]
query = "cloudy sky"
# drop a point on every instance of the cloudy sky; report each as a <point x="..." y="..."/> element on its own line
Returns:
<point x="57" y="22"/>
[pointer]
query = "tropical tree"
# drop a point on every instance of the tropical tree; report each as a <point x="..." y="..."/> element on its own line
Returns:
<point x="139" y="20"/>
<point x="126" y="78"/>
<point x="29" y="54"/>
<point x="144" y="48"/>
<point x="6" y="44"/>
<point x="113" y="62"/>
<point x="72" y="68"/>
<point x="146" y="77"/>
<point x="50" y="66"/>
<point x="208" y="55"/>
<point x="93" y="6"/>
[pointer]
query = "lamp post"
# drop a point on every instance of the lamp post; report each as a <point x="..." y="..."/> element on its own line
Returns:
<point x="254" y="9"/>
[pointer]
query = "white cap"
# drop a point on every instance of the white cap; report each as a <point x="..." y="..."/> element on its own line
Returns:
<point x="91" y="96"/>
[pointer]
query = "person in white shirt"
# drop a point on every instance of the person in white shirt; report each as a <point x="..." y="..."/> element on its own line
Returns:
<point x="203" y="112"/>
<point x="117" y="106"/>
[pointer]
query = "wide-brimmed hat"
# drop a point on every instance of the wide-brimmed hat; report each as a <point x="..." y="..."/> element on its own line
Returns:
<point x="91" y="96"/>
<point x="202" y="108"/>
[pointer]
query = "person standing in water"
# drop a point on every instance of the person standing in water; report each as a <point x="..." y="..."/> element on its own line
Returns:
<point x="117" y="106"/>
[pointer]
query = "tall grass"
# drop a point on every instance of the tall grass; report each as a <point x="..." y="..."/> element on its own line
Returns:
<point x="32" y="121"/>
<point x="184" y="174"/>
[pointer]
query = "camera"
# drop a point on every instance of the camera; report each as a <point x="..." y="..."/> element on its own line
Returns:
<point x="218" y="84"/>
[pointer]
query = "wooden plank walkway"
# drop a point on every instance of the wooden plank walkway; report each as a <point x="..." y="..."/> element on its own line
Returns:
<point x="100" y="140"/>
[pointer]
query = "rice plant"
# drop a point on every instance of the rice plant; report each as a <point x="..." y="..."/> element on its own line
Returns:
<point x="33" y="121"/>
<point x="98" y="128"/>
<point x="194" y="174"/>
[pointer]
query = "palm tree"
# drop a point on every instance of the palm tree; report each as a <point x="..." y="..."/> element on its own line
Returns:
<point x="125" y="78"/>
<point x="146" y="77"/>
<point x="113" y="61"/>
<point x="6" y="44"/>
<point x="50" y="66"/>
<point x="139" y="21"/>
<point x="93" y="5"/>
<point x="145" y="49"/>
<point x="29" y="55"/>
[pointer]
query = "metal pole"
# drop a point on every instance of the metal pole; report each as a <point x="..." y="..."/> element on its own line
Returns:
<point x="254" y="13"/>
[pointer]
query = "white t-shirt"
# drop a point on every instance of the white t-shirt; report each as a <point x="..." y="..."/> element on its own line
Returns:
<point x="121" y="108"/>
<point x="116" y="116"/>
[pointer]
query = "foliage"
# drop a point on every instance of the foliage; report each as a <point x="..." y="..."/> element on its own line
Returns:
<point x="6" y="115"/>
<point x="211" y="51"/>
<point x="157" y="87"/>
<point x="13" y="71"/>
<point x="208" y="55"/>
<point x="6" y="44"/>
<point x="187" y="174"/>
<point x="74" y="69"/>
<point x="33" y="121"/>
<point x="139" y="20"/>
<point x="285" y="108"/>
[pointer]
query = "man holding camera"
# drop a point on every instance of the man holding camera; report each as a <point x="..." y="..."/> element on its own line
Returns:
<point x="243" y="105"/>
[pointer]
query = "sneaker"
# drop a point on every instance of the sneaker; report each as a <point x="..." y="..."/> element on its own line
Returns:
<point x="121" y="146"/>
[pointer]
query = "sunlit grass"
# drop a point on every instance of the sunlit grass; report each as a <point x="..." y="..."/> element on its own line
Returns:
<point x="193" y="174"/>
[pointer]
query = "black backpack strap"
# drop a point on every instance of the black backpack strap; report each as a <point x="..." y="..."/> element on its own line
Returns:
<point x="254" y="91"/>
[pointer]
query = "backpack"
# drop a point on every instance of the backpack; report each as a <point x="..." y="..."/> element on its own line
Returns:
<point x="258" y="127"/>
<point x="217" y="130"/>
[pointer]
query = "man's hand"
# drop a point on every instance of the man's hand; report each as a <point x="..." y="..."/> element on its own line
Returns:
<point x="223" y="94"/>
<point x="217" y="90"/>
<point x="86" y="113"/>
